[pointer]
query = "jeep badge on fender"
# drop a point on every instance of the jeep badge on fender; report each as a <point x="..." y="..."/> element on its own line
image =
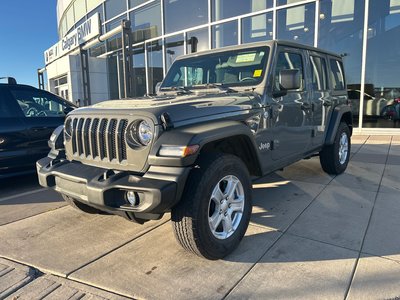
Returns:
<point x="191" y="149"/>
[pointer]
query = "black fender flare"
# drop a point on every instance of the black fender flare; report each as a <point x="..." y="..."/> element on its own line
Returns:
<point x="200" y="134"/>
<point x="335" y="119"/>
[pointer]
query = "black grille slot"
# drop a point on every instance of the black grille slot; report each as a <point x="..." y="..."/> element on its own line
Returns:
<point x="79" y="136"/>
<point x="74" y="122"/>
<point x="102" y="138"/>
<point x="99" y="138"/>
<point x="86" y="141"/>
<point x="93" y="138"/>
<point x="121" y="139"/>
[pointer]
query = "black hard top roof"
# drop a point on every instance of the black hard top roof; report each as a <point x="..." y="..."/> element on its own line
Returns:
<point x="260" y="44"/>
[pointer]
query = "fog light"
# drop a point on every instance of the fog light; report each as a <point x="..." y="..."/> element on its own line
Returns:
<point x="133" y="198"/>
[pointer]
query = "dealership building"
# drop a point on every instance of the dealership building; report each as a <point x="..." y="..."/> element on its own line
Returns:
<point x="112" y="49"/>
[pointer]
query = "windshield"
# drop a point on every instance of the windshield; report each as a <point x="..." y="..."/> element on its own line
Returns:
<point x="240" y="67"/>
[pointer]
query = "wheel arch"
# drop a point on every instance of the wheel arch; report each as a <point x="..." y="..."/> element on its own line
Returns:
<point x="341" y="113"/>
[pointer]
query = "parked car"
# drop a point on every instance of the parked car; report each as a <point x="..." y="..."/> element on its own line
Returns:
<point x="28" y="116"/>
<point x="218" y="118"/>
<point x="372" y="106"/>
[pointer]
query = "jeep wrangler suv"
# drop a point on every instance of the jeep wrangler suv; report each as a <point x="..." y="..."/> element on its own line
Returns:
<point x="219" y="118"/>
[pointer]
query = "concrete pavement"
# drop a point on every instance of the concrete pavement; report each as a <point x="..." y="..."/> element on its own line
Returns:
<point x="311" y="236"/>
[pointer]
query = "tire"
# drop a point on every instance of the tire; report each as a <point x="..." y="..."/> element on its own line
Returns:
<point x="81" y="206"/>
<point x="335" y="158"/>
<point x="213" y="175"/>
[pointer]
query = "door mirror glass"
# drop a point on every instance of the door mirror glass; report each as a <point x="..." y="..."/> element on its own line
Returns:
<point x="290" y="79"/>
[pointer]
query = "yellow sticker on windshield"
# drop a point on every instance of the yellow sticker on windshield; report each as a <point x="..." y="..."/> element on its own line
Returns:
<point x="257" y="73"/>
<point x="246" y="57"/>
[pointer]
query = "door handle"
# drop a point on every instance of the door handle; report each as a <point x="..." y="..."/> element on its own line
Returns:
<point x="327" y="103"/>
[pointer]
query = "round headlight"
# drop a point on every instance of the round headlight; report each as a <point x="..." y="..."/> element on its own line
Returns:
<point x="144" y="133"/>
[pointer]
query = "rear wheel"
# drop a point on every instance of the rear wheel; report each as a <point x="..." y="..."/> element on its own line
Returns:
<point x="335" y="158"/>
<point x="81" y="206"/>
<point x="214" y="213"/>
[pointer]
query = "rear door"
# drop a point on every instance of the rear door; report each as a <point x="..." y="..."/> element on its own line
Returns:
<point x="320" y="95"/>
<point x="292" y="112"/>
<point x="43" y="112"/>
<point x="14" y="138"/>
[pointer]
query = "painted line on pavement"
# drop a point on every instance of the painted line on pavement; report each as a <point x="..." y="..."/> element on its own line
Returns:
<point x="22" y="194"/>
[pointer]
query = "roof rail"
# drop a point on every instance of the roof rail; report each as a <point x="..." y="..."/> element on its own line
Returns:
<point x="10" y="80"/>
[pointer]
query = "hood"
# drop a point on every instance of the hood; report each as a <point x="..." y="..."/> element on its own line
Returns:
<point x="182" y="108"/>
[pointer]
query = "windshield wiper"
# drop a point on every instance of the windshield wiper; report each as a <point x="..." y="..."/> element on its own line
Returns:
<point x="178" y="89"/>
<point x="219" y="86"/>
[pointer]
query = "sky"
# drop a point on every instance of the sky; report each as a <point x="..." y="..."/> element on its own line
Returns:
<point x="27" y="29"/>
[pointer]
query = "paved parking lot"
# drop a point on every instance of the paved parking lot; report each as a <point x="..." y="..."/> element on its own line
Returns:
<point x="312" y="236"/>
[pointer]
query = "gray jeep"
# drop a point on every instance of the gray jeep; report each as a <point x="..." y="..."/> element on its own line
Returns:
<point x="219" y="118"/>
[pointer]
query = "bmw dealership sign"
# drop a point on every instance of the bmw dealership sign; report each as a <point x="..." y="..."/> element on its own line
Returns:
<point x="83" y="33"/>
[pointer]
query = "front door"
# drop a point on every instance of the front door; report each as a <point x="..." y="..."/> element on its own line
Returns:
<point x="291" y="113"/>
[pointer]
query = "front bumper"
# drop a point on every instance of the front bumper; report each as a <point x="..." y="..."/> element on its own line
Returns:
<point x="157" y="190"/>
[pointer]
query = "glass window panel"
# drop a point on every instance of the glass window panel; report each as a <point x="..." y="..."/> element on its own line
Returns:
<point x="297" y="24"/>
<point x="182" y="14"/>
<point x="114" y="8"/>
<point x="138" y="72"/>
<point x="257" y="28"/>
<point x="284" y="2"/>
<point x="197" y="40"/>
<point x="134" y="3"/>
<point x="341" y="25"/>
<point x="92" y="4"/>
<point x="173" y="47"/>
<point x="222" y="9"/>
<point x="318" y="73"/>
<point x="97" y="50"/>
<point x="115" y="75"/>
<point x="382" y="105"/>
<point x="155" y="64"/>
<point x="224" y="34"/>
<point x="146" y="22"/>
<point x="70" y="17"/>
<point x="79" y="9"/>
<point x="99" y="10"/>
<point x="337" y="75"/>
<point x="287" y="61"/>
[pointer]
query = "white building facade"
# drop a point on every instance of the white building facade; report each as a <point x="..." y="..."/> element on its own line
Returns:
<point x="89" y="62"/>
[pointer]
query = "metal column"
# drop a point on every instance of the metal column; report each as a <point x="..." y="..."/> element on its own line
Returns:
<point x="85" y="76"/>
<point x="40" y="79"/>
<point x="127" y="57"/>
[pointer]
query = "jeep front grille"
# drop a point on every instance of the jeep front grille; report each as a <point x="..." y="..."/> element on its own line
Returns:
<point x="99" y="138"/>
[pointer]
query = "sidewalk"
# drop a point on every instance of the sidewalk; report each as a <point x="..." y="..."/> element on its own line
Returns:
<point x="311" y="236"/>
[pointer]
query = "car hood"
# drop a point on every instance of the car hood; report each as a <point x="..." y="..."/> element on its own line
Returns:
<point x="182" y="109"/>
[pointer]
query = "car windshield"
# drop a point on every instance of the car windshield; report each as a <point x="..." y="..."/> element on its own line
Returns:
<point x="242" y="67"/>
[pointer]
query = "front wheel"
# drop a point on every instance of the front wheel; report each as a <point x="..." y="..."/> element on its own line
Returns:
<point x="214" y="213"/>
<point x="335" y="158"/>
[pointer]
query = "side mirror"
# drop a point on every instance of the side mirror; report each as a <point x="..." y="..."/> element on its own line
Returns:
<point x="290" y="79"/>
<point x="157" y="88"/>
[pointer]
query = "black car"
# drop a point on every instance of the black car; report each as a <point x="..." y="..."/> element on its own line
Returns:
<point x="28" y="116"/>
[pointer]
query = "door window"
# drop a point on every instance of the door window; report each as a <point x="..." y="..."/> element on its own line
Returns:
<point x="34" y="103"/>
<point x="318" y="73"/>
<point x="288" y="61"/>
<point x="337" y="75"/>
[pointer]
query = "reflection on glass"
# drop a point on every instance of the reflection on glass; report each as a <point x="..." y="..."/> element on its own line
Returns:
<point x="181" y="14"/>
<point x="197" y="40"/>
<point x="155" y="65"/>
<point x="284" y="2"/>
<point x="146" y="22"/>
<point x="222" y="9"/>
<point x="97" y="50"/>
<point x="115" y="42"/>
<point x="134" y="3"/>
<point x="382" y="80"/>
<point x="138" y="72"/>
<point x="297" y="24"/>
<point x="114" y="8"/>
<point x="115" y="75"/>
<point x="257" y="28"/>
<point x="224" y="34"/>
<point x="173" y="48"/>
<point x="341" y="31"/>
